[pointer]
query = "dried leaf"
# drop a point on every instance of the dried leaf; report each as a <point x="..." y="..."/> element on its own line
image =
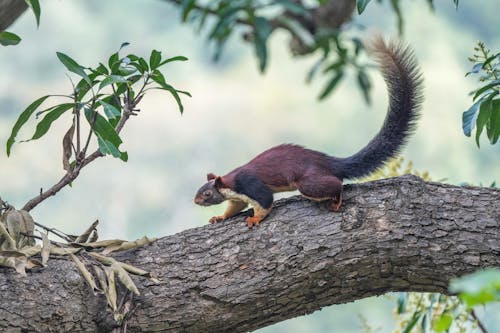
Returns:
<point x="14" y="259"/>
<point x="27" y="228"/>
<point x="20" y="226"/>
<point x="85" y="272"/>
<point x="103" y="259"/>
<point x="129" y="245"/>
<point x="63" y="251"/>
<point x="112" y="296"/>
<point x="93" y="236"/>
<point x="103" y="243"/>
<point x="101" y="277"/>
<point x="13" y="220"/>
<point x="30" y="251"/>
<point x="125" y="278"/>
<point x="67" y="149"/>
<point x="85" y="236"/>
<point x="137" y="271"/>
<point x="31" y="263"/>
<point x="45" y="248"/>
<point x="6" y="241"/>
<point x="20" y="265"/>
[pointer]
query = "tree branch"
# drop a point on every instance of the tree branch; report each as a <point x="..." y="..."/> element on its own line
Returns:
<point x="71" y="176"/>
<point x="10" y="10"/>
<point x="398" y="234"/>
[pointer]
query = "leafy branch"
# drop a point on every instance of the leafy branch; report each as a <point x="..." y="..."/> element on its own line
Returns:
<point x="105" y="97"/>
<point x="314" y="28"/>
<point x="8" y="38"/>
<point x="485" y="112"/>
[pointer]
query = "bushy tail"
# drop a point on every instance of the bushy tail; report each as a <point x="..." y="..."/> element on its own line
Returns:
<point x="404" y="82"/>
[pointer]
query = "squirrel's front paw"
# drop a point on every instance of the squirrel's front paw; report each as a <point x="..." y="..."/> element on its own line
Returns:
<point x="253" y="220"/>
<point x="216" y="219"/>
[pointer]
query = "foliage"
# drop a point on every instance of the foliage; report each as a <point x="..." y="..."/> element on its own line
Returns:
<point x="485" y="112"/>
<point x="9" y="38"/>
<point x="396" y="7"/>
<point x="19" y="251"/>
<point x="107" y="96"/>
<point x="258" y="20"/>
<point x="479" y="288"/>
<point x="396" y="167"/>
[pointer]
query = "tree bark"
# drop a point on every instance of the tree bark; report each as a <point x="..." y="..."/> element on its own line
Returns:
<point x="399" y="234"/>
<point x="10" y="10"/>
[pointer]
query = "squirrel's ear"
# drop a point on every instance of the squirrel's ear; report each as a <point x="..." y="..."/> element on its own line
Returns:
<point x="218" y="182"/>
<point x="210" y="176"/>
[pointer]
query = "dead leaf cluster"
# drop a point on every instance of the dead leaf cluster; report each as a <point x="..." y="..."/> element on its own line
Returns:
<point x="103" y="273"/>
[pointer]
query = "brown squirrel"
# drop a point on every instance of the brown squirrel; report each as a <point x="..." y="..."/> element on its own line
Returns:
<point x="316" y="175"/>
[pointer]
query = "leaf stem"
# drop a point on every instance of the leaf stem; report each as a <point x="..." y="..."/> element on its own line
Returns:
<point x="479" y="323"/>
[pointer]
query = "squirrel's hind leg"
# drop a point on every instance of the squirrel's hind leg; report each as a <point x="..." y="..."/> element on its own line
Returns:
<point x="322" y="187"/>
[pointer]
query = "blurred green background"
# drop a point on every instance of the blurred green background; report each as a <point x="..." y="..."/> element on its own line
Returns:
<point x="235" y="113"/>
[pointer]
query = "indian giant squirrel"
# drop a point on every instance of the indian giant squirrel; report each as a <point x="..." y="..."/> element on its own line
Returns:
<point x="316" y="175"/>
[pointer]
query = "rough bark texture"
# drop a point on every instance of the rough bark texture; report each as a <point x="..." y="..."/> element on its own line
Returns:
<point x="10" y="10"/>
<point x="394" y="234"/>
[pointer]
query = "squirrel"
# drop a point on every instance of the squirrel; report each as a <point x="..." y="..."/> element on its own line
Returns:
<point x="316" y="175"/>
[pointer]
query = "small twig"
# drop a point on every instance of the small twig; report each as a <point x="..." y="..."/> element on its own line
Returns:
<point x="56" y="232"/>
<point x="479" y="323"/>
<point x="70" y="176"/>
<point x="77" y="123"/>
<point x="40" y="238"/>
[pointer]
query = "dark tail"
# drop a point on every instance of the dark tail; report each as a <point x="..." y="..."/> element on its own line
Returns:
<point x="404" y="82"/>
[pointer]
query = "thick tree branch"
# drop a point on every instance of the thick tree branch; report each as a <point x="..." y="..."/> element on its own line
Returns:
<point x="10" y="10"/>
<point x="399" y="234"/>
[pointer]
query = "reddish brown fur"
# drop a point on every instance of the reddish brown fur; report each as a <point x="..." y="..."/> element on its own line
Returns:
<point x="290" y="167"/>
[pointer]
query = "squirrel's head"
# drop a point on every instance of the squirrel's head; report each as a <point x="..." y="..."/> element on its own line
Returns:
<point x="209" y="193"/>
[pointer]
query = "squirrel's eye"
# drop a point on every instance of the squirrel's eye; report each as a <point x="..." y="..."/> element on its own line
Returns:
<point x="207" y="193"/>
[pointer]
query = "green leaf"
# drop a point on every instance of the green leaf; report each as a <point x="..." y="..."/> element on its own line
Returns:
<point x="490" y="59"/>
<point x="331" y="85"/>
<point x="262" y="31"/>
<point x="73" y="66"/>
<point x="482" y="119"/>
<point x="160" y="79"/>
<point x="412" y="322"/>
<point x="365" y="85"/>
<point x="493" y="127"/>
<point x="154" y="59"/>
<point x="108" y="148"/>
<point x="478" y="288"/>
<point x="111" y="112"/>
<point x="143" y="64"/>
<point x="361" y="4"/>
<point x="178" y="58"/>
<point x="293" y="7"/>
<point x="475" y="69"/>
<point x="113" y="59"/>
<point x="187" y="6"/>
<point x="469" y="118"/>
<point x="443" y="323"/>
<point x="23" y="118"/>
<point x="100" y="70"/>
<point x="110" y="79"/>
<point x="43" y="126"/>
<point x="35" y="6"/>
<point x="108" y="139"/>
<point x="9" y="38"/>
<point x="402" y="301"/>
<point x="487" y="87"/>
<point x="124" y="44"/>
